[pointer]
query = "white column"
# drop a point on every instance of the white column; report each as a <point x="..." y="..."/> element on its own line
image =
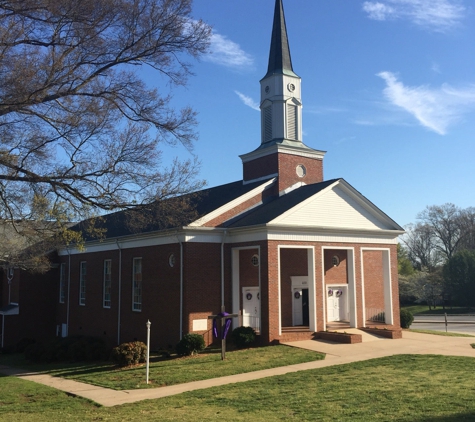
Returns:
<point x="352" y="287"/>
<point x="388" y="293"/>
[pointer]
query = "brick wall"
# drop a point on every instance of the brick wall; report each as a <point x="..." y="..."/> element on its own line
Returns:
<point x="202" y="285"/>
<point x="336" y="274"/>
<point x="285" y="166"/>
<point x="35" y="294"/>
<point x="160" y="297"/>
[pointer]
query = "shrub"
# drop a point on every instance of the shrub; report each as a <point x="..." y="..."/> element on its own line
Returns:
<point x="243" y="337"/>
<point x="190" y="344"/>
<point x="87" y="349"/>
<point x="76" y="348"/>
<point x="23" y="344"/>
<point x="406" y="318"/>
<point x="129" y="353"/>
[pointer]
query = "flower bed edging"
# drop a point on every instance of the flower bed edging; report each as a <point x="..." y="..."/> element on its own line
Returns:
<point x="338" y="337"/>
<point x="382" y="332"/>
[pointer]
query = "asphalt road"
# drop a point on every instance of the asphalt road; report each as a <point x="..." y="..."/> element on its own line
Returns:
<point x="456" y="323"/>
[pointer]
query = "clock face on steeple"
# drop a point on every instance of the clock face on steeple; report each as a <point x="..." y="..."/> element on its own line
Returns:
<point x="291" y="87"/>
<point x="267" y="89"/>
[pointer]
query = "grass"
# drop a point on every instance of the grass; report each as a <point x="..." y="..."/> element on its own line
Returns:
<point x="441" y="333"/>
<point x="397" y="388"/>
<point x="424" y="310"/>
<point x="165" y="371"/>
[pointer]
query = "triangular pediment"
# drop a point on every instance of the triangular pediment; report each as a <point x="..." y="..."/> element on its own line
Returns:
<point x="339" y="206"/>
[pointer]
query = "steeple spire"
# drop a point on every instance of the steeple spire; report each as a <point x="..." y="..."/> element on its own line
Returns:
<point x="280" y="61"/>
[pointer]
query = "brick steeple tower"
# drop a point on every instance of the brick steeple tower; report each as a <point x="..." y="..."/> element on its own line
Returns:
<point x="282" y="153"/>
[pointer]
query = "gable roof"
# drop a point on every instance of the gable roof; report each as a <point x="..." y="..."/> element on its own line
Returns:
<point x="331" y="204"/>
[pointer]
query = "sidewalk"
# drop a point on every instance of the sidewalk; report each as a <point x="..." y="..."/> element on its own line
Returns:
<point x="336" y="354"/>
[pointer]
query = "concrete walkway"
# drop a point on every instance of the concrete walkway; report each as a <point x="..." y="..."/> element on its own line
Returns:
<point x="336" y="354"/>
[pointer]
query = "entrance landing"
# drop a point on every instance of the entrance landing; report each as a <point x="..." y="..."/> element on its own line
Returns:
<point x="366" y="337"/>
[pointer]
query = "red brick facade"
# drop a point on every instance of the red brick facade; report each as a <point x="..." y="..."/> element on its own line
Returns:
<point x="285" y="166"/>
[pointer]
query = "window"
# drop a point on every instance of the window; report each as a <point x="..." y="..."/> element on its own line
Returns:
<point x="82" y="283"/>
<point x="106" y="293"/>
<point x="62" y="283"/>
<point x="255" y="260"/>
<point x="137" y="285"/>
<point x="336" y="260"/>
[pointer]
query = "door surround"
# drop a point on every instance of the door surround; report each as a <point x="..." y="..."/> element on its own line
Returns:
<point x="351" y="279"/>
<point x="253" y="318"/>
<point x="298" y="283"/>
<point x="312" y="306"/>
<point x="344" y="288"/>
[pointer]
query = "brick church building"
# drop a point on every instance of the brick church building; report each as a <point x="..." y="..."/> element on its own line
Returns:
<point x="286" y="250"/>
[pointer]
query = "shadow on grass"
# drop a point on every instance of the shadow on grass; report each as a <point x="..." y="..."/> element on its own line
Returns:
<point x="469" y="416"/>
<point x="448" y="311"/>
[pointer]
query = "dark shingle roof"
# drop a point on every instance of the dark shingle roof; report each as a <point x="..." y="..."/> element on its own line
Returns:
<point x="271" y="210"/>
<point x="168" y="214"/>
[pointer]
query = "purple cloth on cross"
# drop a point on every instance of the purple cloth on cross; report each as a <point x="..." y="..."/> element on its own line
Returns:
<point x="225" y="329"/>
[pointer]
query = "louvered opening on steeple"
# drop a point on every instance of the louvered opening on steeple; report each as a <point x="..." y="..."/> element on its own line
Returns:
<point x="292" y="119"/>
<point x="267" y="124"/>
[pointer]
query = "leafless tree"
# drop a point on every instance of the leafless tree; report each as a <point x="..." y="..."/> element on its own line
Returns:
<point x="467" y="227"/>
<point x="80" y="130"/>
<point x="420" y="243"/>
<point x="444" y="220"/>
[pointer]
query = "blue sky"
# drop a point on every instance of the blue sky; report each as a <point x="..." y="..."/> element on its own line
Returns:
<point x="388" y="90"/>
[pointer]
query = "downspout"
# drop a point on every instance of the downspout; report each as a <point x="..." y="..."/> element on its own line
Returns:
<point x="69" y="291"/>
<point x="181" y="287"/>
<point x="3" y="328"/>
<point x="120" y="291"/>
<point x="222" y="271"/>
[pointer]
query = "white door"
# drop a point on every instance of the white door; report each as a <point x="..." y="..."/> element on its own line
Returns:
<point x="336" y="304"/>
<point x="251" y="309"/>
<point x="297" y="309"/>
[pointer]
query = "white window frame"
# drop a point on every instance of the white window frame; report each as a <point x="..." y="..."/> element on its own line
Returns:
<point x="62" y="283"/>
<point x="107" y="284"/>
<point x="137" y="285"/>
<point x="82" y="283"/>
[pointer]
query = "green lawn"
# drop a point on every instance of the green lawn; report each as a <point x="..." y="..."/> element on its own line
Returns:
<point x="424" y="310"/>
<point x="398" y="388"/>
<point x="172" y="371"/>
<point x="441" y="333"/>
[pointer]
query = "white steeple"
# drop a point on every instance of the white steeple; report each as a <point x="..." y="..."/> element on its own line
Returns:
<point x="281" y="105"/>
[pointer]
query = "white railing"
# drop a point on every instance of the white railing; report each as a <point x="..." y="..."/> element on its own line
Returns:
<point x="375" y="315"/>
<point x="250" y="321"/>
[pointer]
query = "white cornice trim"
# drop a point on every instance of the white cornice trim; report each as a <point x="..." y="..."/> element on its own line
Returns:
<point x="283" y="149"/>
<point x="233" y="204"/>
<point x="245" y="234"/>
<point x="260" y="179"/>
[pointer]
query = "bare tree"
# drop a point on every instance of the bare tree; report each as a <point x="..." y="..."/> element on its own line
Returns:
<point x="467" y="227"/>
<point x="420" y="243"/>
<point x="444" y="220"/>
<point x="80" y="130"/>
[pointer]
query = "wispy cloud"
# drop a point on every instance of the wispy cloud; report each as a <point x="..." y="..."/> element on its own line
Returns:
<point x="227" y="53"/>
<point x="248" y="101"/>
<point x="434" y="108"/>
<point x="436" y="15"/>
<point x="435" y="68"/>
